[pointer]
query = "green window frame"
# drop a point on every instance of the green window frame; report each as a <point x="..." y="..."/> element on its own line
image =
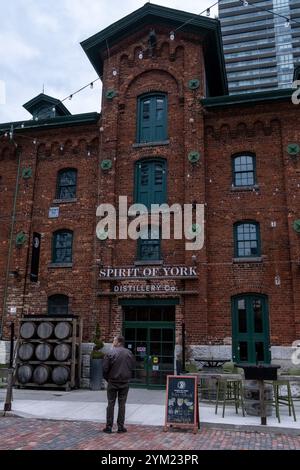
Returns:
<point x="62" y="247"/>
<point x="58" y="305"/>
<point x="250" y="329"/>
<point x="151" y="182"/>
<point x="152" y="125"/>
<point x="247" y="240"/>
<point x="244" y="169"/>
<point x="149" y="244"/>
<point x="66" y="187"/>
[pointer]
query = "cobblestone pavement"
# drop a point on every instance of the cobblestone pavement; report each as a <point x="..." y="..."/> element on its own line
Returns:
<point x="30" y="434"/>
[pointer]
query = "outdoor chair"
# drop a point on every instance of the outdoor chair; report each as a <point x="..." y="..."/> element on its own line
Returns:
<point x="230" y="390"/>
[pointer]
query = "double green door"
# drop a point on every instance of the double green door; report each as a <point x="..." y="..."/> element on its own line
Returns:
<point x="251" y="339"/>
<point x="153" y="345"/>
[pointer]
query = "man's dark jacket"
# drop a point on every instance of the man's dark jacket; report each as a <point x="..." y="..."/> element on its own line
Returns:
<point x="118" y="365"/>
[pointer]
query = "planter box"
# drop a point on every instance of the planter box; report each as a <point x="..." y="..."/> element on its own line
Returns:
<point x="96" y="377"/>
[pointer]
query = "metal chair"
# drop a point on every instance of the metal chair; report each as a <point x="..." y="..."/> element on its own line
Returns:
<point x="231" y="389"/>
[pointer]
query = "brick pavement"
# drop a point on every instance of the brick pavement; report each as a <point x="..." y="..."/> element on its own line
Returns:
<point x="30" y="434"/>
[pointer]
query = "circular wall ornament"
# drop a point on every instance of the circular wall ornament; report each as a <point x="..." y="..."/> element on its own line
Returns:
<point x="194" y="84"/>
<point x="102" y="235"/>
<point x="195" y="230"/>
<point x="21" y="238"/>
<point x="110" y="94"/>
<point x="194" y="157"/>
<point x="296" y="226"/>
<point x="293" y="149"/>
<point x="27" y="173"/>
<point x="106" y="165"/>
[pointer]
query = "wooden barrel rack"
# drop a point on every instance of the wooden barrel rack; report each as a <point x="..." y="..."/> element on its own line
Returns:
<point x="49" y="352"/>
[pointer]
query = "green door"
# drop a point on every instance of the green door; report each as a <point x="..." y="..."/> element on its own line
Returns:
<point x="250" y="324"/>
<point x="153" y="345"/>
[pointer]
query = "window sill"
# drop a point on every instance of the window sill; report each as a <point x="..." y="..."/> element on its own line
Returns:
<point x="60" y="265"/>
<point x="258" y="259"/>
<point x="245" y="188"/>
<point x="149" y="263"/>
<point x="151" y="144"/>
<point x="64" y="201"/>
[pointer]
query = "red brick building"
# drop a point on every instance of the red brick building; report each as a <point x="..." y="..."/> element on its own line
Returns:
<point x="168" y="133"/>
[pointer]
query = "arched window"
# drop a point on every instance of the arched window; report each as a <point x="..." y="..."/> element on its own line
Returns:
<point x="149" y="244"/>
<point x="244" y="170"/>
<point x="62" y="247"/>
<point x="58" y="305"/>
<point x="152" y="118"/>
<point x="247" y="239"/>
<point x="66" y="184"/>
<point x="151" y="182"/>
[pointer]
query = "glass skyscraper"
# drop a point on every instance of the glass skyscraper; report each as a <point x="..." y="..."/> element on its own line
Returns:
<point x="261" y="49"/>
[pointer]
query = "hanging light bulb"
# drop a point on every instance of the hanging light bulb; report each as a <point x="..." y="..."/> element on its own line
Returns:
<point x="22" y="126"/>
<point x="208" y="12"/>
<point x="287" y="23"/>
<point x="115" y="72"/>
<point x="245" y="3"/>
<point x="70" y="97"/>
<point x="92" y="85"/>
<point x="35" y="142"/>
<point x="141" y="55"/>
<point x="172" y="35"/>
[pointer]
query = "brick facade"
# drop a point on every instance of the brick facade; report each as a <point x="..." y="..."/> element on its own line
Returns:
<point x="217" y="133"/>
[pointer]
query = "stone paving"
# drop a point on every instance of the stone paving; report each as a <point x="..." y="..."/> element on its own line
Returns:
<point x="31" y="434"/>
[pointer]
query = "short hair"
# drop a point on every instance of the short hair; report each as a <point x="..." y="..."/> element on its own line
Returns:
<point x="121" y="340"/>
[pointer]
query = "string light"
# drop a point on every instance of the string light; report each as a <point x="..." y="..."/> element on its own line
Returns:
<point x="172" y="36"/>
<point x="287" y="23"/>
<point x="208" y="12"/>
<point x="141" y="55"/>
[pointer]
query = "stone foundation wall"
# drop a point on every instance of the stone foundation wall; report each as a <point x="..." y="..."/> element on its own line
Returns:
<point x="4" y="352"/>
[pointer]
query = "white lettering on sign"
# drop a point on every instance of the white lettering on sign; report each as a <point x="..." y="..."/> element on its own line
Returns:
<point x="149" y="272"/>
<point x="127" y="289"/>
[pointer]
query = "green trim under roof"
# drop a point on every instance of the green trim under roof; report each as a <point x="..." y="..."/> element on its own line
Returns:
<point x="248" y="98"/>
<point x="61" y="121"/>
<point x="96" y="46"/>
<point x="155" y="302"/>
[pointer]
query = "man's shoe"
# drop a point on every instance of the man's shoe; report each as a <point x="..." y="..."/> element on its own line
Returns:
<point x="122" y="429"/>
<point x="107" y="430"/>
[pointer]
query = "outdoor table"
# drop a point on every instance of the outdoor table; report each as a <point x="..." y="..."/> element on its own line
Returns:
<point x="213" y="363"/>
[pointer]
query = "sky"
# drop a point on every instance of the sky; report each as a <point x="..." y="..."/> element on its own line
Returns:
<point x="40" y="48"/>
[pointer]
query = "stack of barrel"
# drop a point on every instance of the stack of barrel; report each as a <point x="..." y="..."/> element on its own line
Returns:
<point x="45" y="353"/>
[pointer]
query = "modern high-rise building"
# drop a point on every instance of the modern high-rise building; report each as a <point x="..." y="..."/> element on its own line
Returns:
<point x="261" y="49"/>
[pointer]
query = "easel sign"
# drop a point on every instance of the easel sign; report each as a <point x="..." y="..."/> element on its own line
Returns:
<point x="182" y="406"/>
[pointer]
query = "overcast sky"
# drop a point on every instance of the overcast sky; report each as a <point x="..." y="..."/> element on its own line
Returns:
<point x="39" y="45"/>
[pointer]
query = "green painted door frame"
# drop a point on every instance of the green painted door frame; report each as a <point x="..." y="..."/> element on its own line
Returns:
<point x="250" y="329"/>
<point x="149" y="373"/>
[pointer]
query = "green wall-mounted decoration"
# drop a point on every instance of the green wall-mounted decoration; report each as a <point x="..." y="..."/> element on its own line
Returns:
<point x="296" y="226"/>
<point x="27" y="173"/>
<point x="195" y="230"/>
<point x="21" y="239"/>
<point x="194" y="84"/>
<point x="106" y="165"/>
<point x="194" y="157"/>
<point x="102" y="235"/>
<point x="110" y="94"/>
<point x="293" y="149"/>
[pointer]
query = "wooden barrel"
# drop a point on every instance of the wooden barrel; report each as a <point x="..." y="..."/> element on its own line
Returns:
<point x="26" y="351"/>
<point x="43" y="352"/>
<point x="45" y="330"/>
<point x="41" y="374"/>
<point x="63" y="330"/>
<point x="62" y="352"/>
<point x="60" y="375"/>
<point x="27" y="330"/>
<point x="24" y="374"/>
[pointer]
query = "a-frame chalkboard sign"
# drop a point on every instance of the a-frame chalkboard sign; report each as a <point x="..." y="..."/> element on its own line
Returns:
<point x="182" y="406"/>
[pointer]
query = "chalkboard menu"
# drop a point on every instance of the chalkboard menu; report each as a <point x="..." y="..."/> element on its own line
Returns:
<point x="182" y="409"/>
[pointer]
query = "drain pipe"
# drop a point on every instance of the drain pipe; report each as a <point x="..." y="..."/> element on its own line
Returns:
<point x="13" y="220"/>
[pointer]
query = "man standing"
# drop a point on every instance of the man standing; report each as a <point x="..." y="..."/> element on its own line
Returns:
<point x="118" y="366"/>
